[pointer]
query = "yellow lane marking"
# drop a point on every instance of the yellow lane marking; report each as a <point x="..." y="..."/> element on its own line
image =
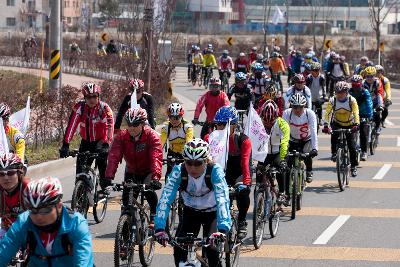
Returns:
<point x="288" y="252"/>
<point x="354" y="212"/>
<point x="356" y="184"/>
<point x="379" y="148"/>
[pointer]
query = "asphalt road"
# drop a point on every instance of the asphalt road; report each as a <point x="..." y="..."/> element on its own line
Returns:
<point x="357" y="227"/>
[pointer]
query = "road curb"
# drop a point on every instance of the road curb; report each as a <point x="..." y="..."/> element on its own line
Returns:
<point x="42" y="169"/>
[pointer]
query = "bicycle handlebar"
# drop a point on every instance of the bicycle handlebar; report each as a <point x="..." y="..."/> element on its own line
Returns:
<point x="172" y="161"/>
<point x="74" y="153"/>
<point x="120" y="187"/>
<point x="342" y="130"/>
<point x="298" y="154"/>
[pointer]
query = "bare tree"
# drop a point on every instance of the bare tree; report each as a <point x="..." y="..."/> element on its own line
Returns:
<point x="378" y="11"/>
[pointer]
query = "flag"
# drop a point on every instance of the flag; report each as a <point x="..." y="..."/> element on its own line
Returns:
<point x="20" y="119"/>
<point x="219" y="145"/>
<point x="134" y="103"/>
<point x="278" y="16"/>
<point x="3" y="139"/>
<point x="255" y="130"/>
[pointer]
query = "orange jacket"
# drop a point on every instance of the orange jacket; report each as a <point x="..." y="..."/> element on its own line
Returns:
<point x="277" y="65"/>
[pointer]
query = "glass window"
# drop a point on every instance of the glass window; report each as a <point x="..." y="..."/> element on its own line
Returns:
<point x="10" y="22"/>
<point x="10" y="2"/>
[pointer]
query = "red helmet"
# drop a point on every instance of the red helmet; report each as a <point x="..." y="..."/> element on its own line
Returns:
<point x="269" y="113"/>
<point x="4" y="110"/>
<point x="136" y="84"/>
<point x="10" y="161"/>
<point x="90" y="88"/>
<point x="298" y="78"/>
<point x="136" y="115"/>
<point x="43" y="192"/>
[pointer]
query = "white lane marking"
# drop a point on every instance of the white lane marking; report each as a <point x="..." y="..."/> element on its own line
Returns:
<point x="382" y="172"/>
<point x="389" y="123"/>
<point x="398" y="141"/>
<point x="331" y="230"/>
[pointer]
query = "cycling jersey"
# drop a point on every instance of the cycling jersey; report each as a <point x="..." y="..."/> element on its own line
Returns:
<point x="177" y="137"/>
<point x="376" y="91"/>
<point x="225" y="63"/>
<point x="316" y="85"/>
<point x="197" y="59"/>
<point x="279" y="138"/>
<point x="303" y="127"/>
<point x="16" y="141"/>
<point x="74" y="225"/>
<point x="342" y="113"/>
<point x="252" y="56"/>
<point x="387" y="91"/>
<point x="358" y="69"/>
<point x="242" y="65"/>
<point x="293" y="90"/>
<point x="239" y="157"/>
<point x="364" y="102"/>
<point x="259" y="84"/>
<point x="212" y="104"/>
<point x="196" y="196"/>
<point x="243" y="96"/>
<point x="277" y="65"/>
<point x="209" y="60"/>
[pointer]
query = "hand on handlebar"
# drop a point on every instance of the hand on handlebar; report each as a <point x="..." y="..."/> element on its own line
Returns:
<point x="326" y="129"/>
<point x="64" y="151"/>
<point x="216" y="238"/>
<point x="161" y="237"/>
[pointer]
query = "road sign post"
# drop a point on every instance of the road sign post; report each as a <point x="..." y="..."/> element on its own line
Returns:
<point x="55" y="45"/>
<point x="229" y="41"/>
<point x="327" y="44"/>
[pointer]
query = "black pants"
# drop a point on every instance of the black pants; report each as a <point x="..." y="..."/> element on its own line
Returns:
<point x="150" y="195"/>
<point x="351" y="144"/>
<point x="172" y="155"/>
<point x="365" y="130"/>
<point x="221" y="74"/>
<point x="205" y="129"/>
<point x="93" y="148"/>
<point x="193" y="72"/>
<point x="189" y="70"/>
<point x="303" y="147"/>
<point x="278" y="79"/>
<point x="274" y="160"/>
<point x="318" y="108"/>
<point x="191" y="222"/>
<point x="377" y="118"/>
<point x="385" y="113"/>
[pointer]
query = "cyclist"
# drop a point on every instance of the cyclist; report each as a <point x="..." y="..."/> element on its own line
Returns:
<point x="253" y="54"/>
<point x="342" y="113"/>
<point x="15" y="138"/>
<point x="272" y="93"/>
<point x="111" y="48"/>
<point x="205" y="197"/>
<point x="144" y="99"/>
<point x="345" y="66"/>
<point x="298" y="87"/>
<point x="12" y="184"/>
<point x="189" y="61"/>
<point x="95" y="120"/>
<point x="303" y="131"/>
<point x="259" y="60"/>
<point x="212" y="100"/>
<point x="372" y="84"/>
<point x="289" y="62"/>
<point x="259" y="81"/>
<point x="277" y="66"/>
<point x="140" y="146"/>
<point x="225" y="64"/>
<point x="244" y="96"/>
<point x="75" y="52"/>
<point x="279" y="132"/>
<point x="242" y="64"/>
<point x="360" y="67"/>
<point x="53" y="235"/>
<point x="297" y="62"/>
<point x="364" y="102"/>
<point x="209" y="62"/>
<point x="197" y="60"/>
<point x="316" y="82"/>
<point x="336" y="72"/>
<point x="387" y="92"/>
<point x="176" y="131"/>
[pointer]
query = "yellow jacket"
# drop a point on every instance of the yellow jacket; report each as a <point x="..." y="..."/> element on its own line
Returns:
<point x="16" y="141"/>
<point x="209" y="60"/>
<point x="342" y="113"/>
<point x="177" y="137"/>
<point x="197" y="59"/>
<point x="386" y="87"/>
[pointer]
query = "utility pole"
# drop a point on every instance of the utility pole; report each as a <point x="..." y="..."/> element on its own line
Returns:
<point x="55" y="45"/>
<point x="199" y="22"/>
<point x="148" y="41"/>
<point x="287" y="27"/>
<point x="265" y="26"/>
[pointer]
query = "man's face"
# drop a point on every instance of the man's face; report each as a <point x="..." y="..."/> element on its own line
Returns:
<point x="221" y="126"/>
<point x="45" y="216"/>
<point x="5" y="121"/>
<point x="298" y="110"/>
<point x="369" y="78"/>
<point x="92" y="100"/>
<point x="195" y="168"/>
<point x="363" y="62"/>
<point x="135" y="129"/>
<point x="341" y="95"/>
<point x="315" y="73"/>
<point x="299" y="86"/>
<point x="139" y="93"/>
<point x="9" y="179"/>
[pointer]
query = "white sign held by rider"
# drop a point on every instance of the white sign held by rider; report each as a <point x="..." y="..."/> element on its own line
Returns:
<point x="20" y="119"/>
<point x="255" y="130"/>
<point x="134" y="103"/>
<point x="219" y="145"/>
<point x="3" y="139"/>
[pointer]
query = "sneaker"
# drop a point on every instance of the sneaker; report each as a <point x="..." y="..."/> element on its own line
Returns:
<point x="242" y="231"/>
<point x="363" y="156"/>
<point x="353" y="171"/>
<point x="383" y="124"/>
<point x="309" y="176"/>
<point x="333" y="157"/>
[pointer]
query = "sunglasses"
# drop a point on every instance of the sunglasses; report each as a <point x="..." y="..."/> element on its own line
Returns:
<point x="91" y="96"/>
<point x="195" y="163"/>
<point x="42" y="211"/>
<point x="8" y="173"/>
<point x="214" y="86"/>
<point x="369" y="76"/>
<point x="175" y="118"/>
<point x="135" y="124"/>
<point x="220" y="124"/>
<point x="297" y="107"/>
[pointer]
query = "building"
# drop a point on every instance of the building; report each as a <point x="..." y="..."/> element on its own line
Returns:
<point x="22" y="15"/>
<point x="71" y="13"/>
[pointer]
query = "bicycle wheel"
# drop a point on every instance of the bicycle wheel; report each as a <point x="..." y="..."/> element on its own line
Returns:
<point x="258" y="218"/>
<point x="123" y="245"/>
<point x="293" y="195"/>
<point x="171" y="220"/>
<point x="233" y="251"/>
<point x="80" y="199"/>
<point x="147" y="244"/>
<point x="100" y="205"/>
<point x="200" y="80"/>
<point x="340" y="169"/>
<point x="372" y="142"/>
<point x="274" y="218"/>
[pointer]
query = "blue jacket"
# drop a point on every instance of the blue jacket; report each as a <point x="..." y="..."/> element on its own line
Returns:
<point x="73" y="224"/>
<point x="296" y="63"/>
<point x="221" y="193"/>
<point x="364" y="102"/>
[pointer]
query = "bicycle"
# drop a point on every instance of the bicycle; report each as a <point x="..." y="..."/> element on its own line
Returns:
<point x="225" y="81"/>
<point x="196" y="75"/>
<point x="133" y="228"/>
<point x="342" y="159"/>
<point x="86" y="191"/>
<point x="317" y="108"/>
<point x="176" y="210"/>
<point x="297" y="181"/>
<point x="265" y="204"/>
<point x="232" y="244"/>
<point x="241" y="113"/>
<point x="208" y="75"/>
<point x="191" y="244"/>
<point x="375" y="132"/>
<point x="276" y="82"/>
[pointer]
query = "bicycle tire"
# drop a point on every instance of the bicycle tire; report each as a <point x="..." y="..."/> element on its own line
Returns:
<point x="147" y="237"/>
<point x="123" y="242"/>
<point x="371" y="143"/>
<point x="293" y="178"/>
<point x="232" y="254"/>
<point x="100" y="214"/>
<point x="258" y="219"/>
<point x="80" y="199"/>
<point x="301" y="185"/>
<point x="339" y="169"/>
<point x="170" y="226"/>
<point x="274" y="219"/>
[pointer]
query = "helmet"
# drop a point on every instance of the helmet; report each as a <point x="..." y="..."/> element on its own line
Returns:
<point x="215" y="81"/>
<point x="274" y="54"/>
<point x="197" y="48"/>
<point x="175" y="109"/>
<point x="4" y="110"/>
<point x="226" y="113"/>
<point x="298" y="52"/>
<point x="258" y="67"/>
<point x="193" y="47"/>
<point x="270" y="92"/>
<point x="308" y="56"/>
<point x="364" y="59"/>
<point x="315" y="66"/>
<point x="341" y="86"/>
<point x="210" y="46"/>
<point x="136" y="115"/>
<point x="254" y="48"/>
<point x="379" y="68"/>
<point x="370" y="71"/>
<point x="298" y="78"/>
<point x="269" y="112"/>
<point x="43" y="192"/>
<point x="240" y="76"/>
<point x="135" y="84"/>
<point x="307" y="66"/>
<point x="241" y="54"/>
<point x="260" y="57"/>
<point x="225" y="52"/>
<point x="10" y="161"/>
<point x="297" y="100"/>
<point x="196" y="149"/>
<point x="89" y="88"/>
<point x="356" y="78"/>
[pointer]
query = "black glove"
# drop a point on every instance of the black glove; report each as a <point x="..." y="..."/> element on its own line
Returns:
<point x="64" y="150"/>
<point x="155" y="185"/>
<point x="104" y="183"/>
<point x="195" y="121"/>
<point x="380" y="108"/>
<point x="388" y="102"/>
<point x="283" y="164"/>
<point x="313" y="153"/>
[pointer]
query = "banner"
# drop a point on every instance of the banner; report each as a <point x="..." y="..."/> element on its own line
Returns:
<point x="255" y="130"/>
<point x="20" y="119"/>
<point x="278" y="16"/>
<point x="3" y="139"/>
<point x="134" y="103"/>
<point x="219" y="145"/>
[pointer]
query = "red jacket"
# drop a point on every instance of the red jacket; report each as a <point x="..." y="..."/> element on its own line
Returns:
<point x="212" y="104"/>
<point x="242" y="63"/>
<point x="252" y="56"/>
<point x="142" y="157"/>
<point x="96" y="124"/>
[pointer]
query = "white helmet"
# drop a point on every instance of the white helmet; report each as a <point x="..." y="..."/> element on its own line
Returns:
<point x="197" y="149"/>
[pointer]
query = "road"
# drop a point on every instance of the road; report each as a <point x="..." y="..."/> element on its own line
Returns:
<point x="357" y="227"/>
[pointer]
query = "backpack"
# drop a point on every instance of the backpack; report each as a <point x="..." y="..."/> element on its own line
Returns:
<point x="207" y="178"/>
<point x="184" y="122"/>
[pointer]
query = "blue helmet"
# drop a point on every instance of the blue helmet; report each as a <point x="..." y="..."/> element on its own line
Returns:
<point x="240" y="76"/>
<point x="226" y="113"/>
<point x="258" y="67"/>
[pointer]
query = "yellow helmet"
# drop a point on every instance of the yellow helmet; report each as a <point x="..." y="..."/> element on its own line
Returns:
<point x="368" y="71"/>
